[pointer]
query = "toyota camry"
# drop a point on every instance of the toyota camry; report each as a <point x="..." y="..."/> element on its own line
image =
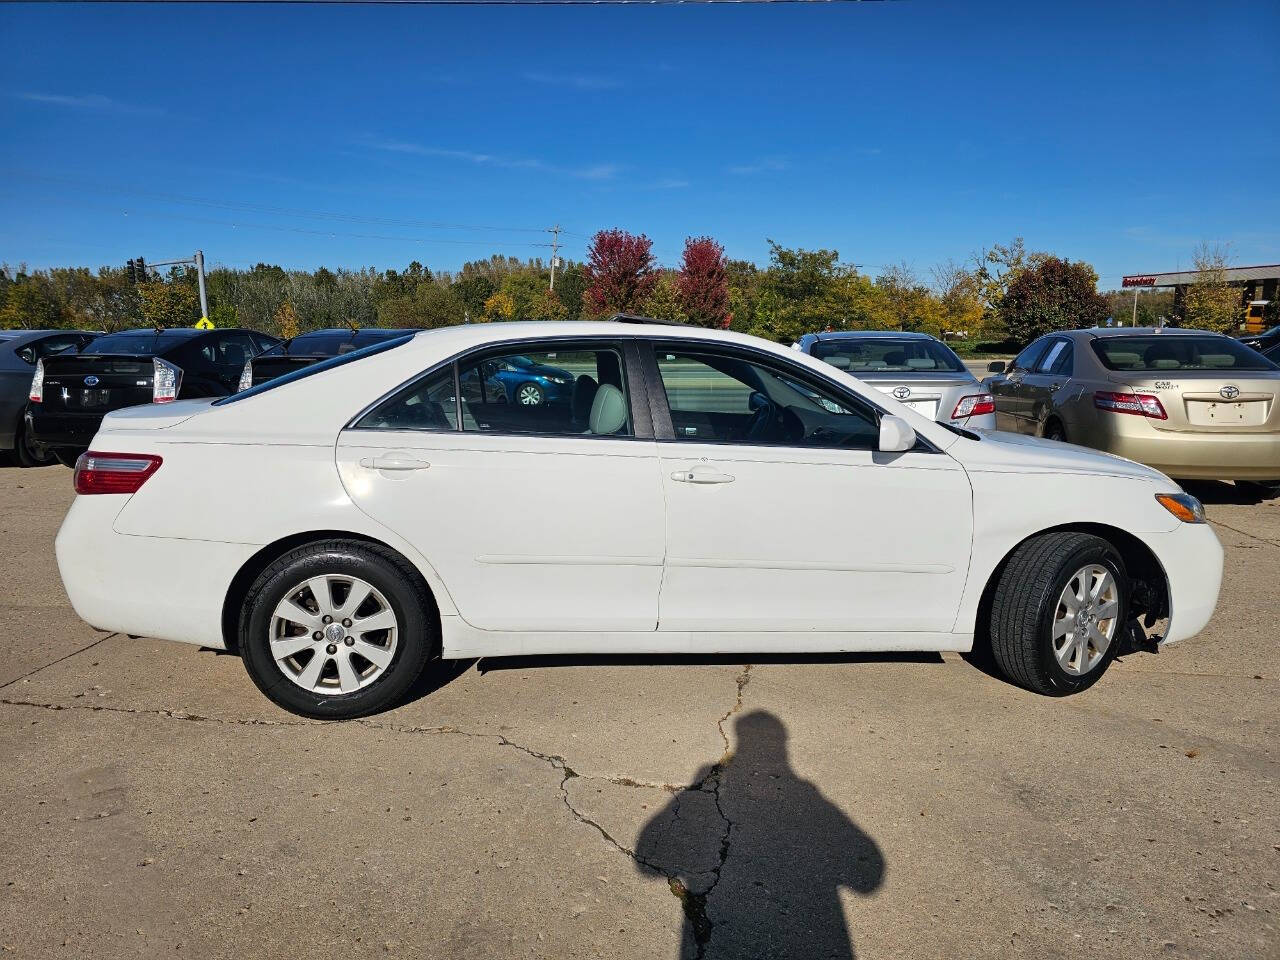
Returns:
<point x="343" y="525"/>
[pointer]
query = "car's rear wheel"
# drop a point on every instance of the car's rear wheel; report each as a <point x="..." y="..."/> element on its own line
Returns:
<point x="28" y="453"/>
<point x="337" y="629"/>
<point x="1058" y="612"/>
<point x="1054" y="430"/>
<point x="67" y="456"/>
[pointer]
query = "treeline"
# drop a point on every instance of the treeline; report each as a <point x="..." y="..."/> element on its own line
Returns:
<point x="1001" y="294"/>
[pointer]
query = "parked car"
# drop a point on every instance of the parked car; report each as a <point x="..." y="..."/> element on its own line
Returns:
<point x="1262" y="342"/>
<point x="20" y="350"/>
<point x="1194" y="405"/>
<point x="726" y="494"/>
<point x="917" y="369"/>
<point x="531" y="382"/>
<point x="70" y="393"/>
<point x="308" y="348"/>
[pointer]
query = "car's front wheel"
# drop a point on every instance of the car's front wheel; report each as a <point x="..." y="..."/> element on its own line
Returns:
<point x="1058" y="612"/>
<point x="337" y="629"/>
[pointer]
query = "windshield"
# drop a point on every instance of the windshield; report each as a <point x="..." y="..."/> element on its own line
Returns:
<point x="888" y="354"/>
<point x="315" y="368"/>
<point x="136" y="341"/>
<point x="1162" y="352"/>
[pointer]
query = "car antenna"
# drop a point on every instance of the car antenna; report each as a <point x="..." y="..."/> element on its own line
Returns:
<point x="355" y="328"/>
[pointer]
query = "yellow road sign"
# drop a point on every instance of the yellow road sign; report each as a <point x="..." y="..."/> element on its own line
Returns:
<point x="204" y="323"/>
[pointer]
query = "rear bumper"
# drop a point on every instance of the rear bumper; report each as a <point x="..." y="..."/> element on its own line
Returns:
<point x="1198" y="456"/>
<point x="60" y="429"/>
<point x="158" y="587"/>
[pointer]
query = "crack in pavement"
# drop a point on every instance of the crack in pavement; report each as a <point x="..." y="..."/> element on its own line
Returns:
<point x="693" y="904"/>
<point x="53" y="663"/>
<point x="1244" y="533"/>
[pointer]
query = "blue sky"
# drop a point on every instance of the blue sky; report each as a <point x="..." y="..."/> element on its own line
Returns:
<point x="916" y="131"/>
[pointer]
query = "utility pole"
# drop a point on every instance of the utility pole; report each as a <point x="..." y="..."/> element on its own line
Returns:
<point x="204" y="300"/>
<point x="1135" y="308"/>
<point x="198" y="262"/>
<point x="555" y="249"/>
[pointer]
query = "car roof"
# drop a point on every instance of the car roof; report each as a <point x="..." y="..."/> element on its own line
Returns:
<point x="872" y="335"/>
<point x="1145" y="331"/>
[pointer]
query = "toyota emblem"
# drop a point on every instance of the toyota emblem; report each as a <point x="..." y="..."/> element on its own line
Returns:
<point x="91" y="381"/>
<point x="1229" y="392"/>
<point x="902" y="392"/>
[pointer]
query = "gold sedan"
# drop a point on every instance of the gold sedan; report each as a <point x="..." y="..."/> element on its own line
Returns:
<point x="1194" y="405"/>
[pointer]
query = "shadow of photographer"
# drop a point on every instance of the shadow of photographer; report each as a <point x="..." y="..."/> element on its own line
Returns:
<point x="757" y="855"/>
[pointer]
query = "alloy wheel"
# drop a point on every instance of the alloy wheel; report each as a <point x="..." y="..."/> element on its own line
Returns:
<point x="1085" y="620"/>
<point x="333" y="634"/>
<point x="529" y="395"/>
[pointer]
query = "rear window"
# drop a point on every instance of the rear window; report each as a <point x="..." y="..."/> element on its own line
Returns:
<point x="315" y="368"/>
<point x="1161" y="352"/>
<point x="331" y="343"/>
<point x="891" y="355"/>
<point x="137" y="341"/>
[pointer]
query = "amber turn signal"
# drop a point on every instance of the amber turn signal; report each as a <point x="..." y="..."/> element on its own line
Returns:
<point x="1183" y="506"/>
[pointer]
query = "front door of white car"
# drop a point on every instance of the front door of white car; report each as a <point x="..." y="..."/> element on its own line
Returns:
<point x="782" y="515"/>
<point x="542" y="516"/>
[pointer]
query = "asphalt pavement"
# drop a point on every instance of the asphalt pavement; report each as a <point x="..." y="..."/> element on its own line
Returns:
<point x="155" y="805"/>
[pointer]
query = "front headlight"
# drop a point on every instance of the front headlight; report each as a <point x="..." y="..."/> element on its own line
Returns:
<point x="1183" y="506"/>
<point x="560" y="380"/>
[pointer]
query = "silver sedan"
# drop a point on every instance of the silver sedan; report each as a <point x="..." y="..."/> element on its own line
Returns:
<point x="914" y="368"/>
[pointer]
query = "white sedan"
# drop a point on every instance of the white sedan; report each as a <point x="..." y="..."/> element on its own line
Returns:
<point x="684" y="491"/>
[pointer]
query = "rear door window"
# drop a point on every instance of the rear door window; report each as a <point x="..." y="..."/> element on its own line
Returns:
<point x="1029" y="357"/>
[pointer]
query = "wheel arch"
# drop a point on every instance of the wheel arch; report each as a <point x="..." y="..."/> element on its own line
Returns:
<point x="1147" y="576"/>
<point x="238" y="589"/>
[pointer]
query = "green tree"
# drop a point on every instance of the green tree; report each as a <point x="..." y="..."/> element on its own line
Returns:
<point x="431" y="305"/>
<point x="1211" y="303"/>
<point x="1052" y="295"/>
<point x="473" y="289"/>
<point x="664" y="301"/>
<point x="171" y="303"/>
<point x="527" y="291"/>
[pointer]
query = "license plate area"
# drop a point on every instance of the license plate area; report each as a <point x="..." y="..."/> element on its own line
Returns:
<point x="927" y="408"/>
<point x="94" y="398"/>
<point x="1238" y="413"/>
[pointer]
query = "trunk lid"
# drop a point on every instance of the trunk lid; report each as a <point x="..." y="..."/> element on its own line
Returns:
<point x="96" y="383"/>
<point x="1211" y="401"/>
<point x="931" y="395"/>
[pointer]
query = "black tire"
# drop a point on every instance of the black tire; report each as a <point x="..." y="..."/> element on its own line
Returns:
<point x="1054" y="430"/>
<point x="1262" y="489"/>
<point x="67" y="456"/>
<point x="1025" y="602"/>
<point x="534" y="391"/>
<point x="388" y="572"/>
<point x="29" y="454"/>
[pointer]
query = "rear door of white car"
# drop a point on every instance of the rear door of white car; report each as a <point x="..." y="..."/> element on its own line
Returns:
<point x="544" y="516"/>
<point x="782" y="515"/>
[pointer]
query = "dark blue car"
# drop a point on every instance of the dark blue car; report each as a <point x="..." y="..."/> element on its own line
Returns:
<point x="530" y="383"/>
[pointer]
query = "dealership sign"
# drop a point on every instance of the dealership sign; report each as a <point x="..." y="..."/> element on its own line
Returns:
<point x="1139" y="281"/>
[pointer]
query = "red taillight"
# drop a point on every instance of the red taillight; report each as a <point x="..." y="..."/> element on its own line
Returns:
<point x="114" y="472"/>
<point x="36" y="393"/>
<point x="1138" y="404"/>
<point x="973" y="406"/>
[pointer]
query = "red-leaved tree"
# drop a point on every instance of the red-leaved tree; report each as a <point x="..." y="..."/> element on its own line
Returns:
<point x="703" y="283"/>
<point x="620" y="272"/>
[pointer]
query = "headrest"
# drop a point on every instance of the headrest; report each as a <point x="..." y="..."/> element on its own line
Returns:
<point x="608" y="410"/>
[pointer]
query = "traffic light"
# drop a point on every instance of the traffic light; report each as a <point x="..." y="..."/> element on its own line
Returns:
<point x="142" y="270"/>
<point x="133" y="272"/>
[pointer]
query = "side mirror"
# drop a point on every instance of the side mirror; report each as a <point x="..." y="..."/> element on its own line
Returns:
<point x="896" y="435"/>
<point x="997" y="366"/>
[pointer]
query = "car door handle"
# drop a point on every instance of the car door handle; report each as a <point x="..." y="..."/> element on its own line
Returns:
<point x="393" y="463"/>
<point x="702" y="476"/>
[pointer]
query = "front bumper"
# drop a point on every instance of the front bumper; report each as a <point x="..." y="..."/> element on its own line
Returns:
<point x="1192" y="559"/>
